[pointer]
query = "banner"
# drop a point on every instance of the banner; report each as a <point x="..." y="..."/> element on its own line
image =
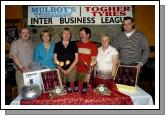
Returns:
<point x="77" y="15"/>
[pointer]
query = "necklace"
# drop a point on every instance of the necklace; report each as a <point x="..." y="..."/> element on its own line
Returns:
<point x="47" y="46"/>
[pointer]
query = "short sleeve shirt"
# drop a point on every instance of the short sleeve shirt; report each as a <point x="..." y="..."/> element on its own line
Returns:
<point x="104" y="58"/>
<point x="85" y="53"/>
<point x="64" y="54"/>
<point x="23" y="50"/>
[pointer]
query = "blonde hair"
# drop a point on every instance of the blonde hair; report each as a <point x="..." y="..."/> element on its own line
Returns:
<point x="66" y="29"/>
<point x="106" y="36"/>
<point x="45" y="31"/>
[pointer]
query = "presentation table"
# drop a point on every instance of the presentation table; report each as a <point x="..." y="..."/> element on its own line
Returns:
<point x="140" y="97"/>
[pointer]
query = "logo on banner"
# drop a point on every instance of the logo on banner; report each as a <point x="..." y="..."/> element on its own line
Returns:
<point x="77" y="15"/>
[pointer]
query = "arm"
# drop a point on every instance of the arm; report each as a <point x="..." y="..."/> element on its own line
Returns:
<point x="95" y="71"/>
<point x="94" y="52"/>
<point x="91" y="69"/>
<point x="145" y="53"/>
<point x="36" y="54"/>
<point x="115" y="62"/>
<point x="55" y="59"/>
<point x="66" y="72"/>
<point x="145" y="50"/>
<point x="93" y="59"/>
<point x="14" y="55"/>
<point x="18" y="63"/>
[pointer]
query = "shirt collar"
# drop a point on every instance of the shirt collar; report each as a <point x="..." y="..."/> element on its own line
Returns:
<point x="106" y="49"/>
<point x="128" y="34"/>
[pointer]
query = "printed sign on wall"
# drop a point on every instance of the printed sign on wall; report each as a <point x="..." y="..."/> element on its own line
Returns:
<point x="77" y="15"/>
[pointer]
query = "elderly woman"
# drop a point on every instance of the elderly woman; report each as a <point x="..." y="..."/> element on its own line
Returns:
<point x="43" y="53"/>
<point x="66" y="57"/>
<point x="107" y="61"/>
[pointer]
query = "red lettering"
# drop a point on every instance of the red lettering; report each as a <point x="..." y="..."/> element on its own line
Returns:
<point x="87" y="8"/>
<point x="103" y="8"/>
<point x="108" y="10"/>
<point x="94" y="13"/>
<point x="95" y="8"/>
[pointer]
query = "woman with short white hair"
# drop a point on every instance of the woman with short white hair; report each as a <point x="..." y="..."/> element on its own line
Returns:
<point x="107" y="61"/>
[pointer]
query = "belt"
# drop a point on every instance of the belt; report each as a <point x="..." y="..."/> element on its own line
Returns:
<point x="104" y="74"/>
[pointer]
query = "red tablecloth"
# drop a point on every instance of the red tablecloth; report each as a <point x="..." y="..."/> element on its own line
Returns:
<point x="90" y="98"/>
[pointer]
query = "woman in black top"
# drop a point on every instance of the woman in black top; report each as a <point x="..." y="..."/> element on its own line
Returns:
<point x="66" y="57"/>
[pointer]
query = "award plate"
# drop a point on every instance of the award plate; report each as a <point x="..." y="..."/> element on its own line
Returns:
<point x="126" y="78"/>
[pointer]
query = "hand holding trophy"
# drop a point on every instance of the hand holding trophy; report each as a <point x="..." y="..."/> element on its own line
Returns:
<point x="90" y="67"/>
<point x="65" y="73"/>
<point x="60" y="64"/>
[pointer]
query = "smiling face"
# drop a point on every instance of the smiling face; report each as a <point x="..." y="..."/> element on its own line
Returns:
<point x="25" y="34"/>
<point x="105" y="41"/>
<point x="46" y="37"/>
<point x="66" y="35"/>
<point x="128" y="25"/>
<point x="83" y="36"/>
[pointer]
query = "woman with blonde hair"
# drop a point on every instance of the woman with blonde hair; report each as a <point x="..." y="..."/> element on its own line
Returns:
<point x="66" y="53"/>
<point x="43" y="53"/>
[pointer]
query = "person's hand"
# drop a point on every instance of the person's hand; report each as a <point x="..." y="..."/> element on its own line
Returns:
<point x="25" y="69"/>
<point x="66" y="72"/>
<point x="59" y="67"/>
<point x="87" y="78"/>
<point x="138" y="66"/>
<point x="94" y="73"/>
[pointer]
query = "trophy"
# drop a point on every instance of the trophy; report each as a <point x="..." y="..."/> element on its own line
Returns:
<point x="61" y="64"/>
<point x="67" y="62"/>
<point x="90" y="67"/>
<point x="102" y="89"/>
<point x="88" y="75"/>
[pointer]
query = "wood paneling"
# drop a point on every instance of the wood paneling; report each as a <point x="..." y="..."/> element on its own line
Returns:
<point x="145" y="21"/>
<point x="13" y="12"/>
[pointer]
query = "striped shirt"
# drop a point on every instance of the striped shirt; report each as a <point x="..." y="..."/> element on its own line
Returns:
<point x="133" y="49"/>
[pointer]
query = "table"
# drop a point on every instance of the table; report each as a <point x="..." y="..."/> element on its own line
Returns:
<point x="139" y="98"/>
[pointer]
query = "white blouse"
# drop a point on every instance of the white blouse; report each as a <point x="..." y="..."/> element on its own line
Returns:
<point x="104" y="58"/>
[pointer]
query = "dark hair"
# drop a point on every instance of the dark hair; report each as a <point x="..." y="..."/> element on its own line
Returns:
<point x="65" y="29"/>
<point x="87" y="31"/>
<point x="45" y="31"/>
<point x="127" y="18"/>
